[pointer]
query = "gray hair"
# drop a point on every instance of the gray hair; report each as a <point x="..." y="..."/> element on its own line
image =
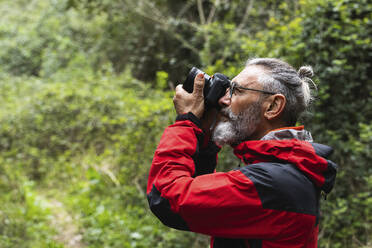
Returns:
<point x="284" y="79"/>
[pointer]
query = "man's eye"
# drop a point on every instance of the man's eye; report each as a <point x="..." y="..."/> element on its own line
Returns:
<point x="238" y="91"/>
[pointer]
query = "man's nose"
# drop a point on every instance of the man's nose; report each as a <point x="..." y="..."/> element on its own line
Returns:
<point x="225" y="100"/>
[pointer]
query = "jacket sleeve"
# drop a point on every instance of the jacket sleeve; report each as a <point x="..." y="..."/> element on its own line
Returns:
<point x="216" y="204"/>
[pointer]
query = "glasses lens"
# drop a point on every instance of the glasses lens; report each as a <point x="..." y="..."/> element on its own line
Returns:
<point x="232" y="88"/>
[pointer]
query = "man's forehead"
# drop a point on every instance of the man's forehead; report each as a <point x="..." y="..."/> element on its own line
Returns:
<point x="249" y="75"/>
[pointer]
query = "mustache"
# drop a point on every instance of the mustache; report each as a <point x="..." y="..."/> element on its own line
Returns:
<point x="226" y="112"/>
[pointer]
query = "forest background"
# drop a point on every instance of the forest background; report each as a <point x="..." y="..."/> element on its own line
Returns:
<point x="86" y="90"/>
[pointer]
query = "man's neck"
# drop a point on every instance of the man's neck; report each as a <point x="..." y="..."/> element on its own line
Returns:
<point x="265" y="128"/>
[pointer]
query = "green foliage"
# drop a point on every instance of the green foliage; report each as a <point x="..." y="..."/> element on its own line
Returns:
<point x="24" y="216"/>
<point x="161" y="80"/>
<point x="78" y="126"/>
<point x="91" y="138"/>
<point x="40" y="38"/>
<point x="342" y="41"/>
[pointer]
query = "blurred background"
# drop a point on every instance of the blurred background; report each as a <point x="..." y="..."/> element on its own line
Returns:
<point x="86" y="90"/>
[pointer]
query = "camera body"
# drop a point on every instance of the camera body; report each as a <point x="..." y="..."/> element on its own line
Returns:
<point x="214" y="88"/>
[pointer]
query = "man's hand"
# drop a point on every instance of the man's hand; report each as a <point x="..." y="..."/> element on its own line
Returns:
<point x="185" y="102"/>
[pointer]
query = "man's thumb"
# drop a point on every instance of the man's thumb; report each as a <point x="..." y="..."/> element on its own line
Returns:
<point x="199" y="84"/>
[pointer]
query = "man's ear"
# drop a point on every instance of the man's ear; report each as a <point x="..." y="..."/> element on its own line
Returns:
<point x="274" y="106"/>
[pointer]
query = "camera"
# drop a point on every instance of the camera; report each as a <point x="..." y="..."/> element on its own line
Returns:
<point x="214" y="87"/>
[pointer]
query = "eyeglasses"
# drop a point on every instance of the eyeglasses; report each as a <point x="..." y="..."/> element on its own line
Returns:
<point x="234" y="86"/>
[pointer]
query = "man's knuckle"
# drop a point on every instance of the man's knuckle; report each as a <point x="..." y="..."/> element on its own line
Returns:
<point x="178" y="94"/>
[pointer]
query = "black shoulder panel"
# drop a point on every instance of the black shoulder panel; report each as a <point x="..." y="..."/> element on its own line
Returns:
<point x="228" y="243"/>
<point x="330" y="174"/>
<point x="322" y="150"/>
<point x="161" y="208"/>
<point x="236" y="243"/>
<point x="255" y="243"/>
<point x="283" y="187"/>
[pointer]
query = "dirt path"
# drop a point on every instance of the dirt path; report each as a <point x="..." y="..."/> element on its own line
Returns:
<point x="65" y="225"/>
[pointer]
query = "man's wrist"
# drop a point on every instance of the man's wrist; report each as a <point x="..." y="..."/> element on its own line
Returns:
<point x="191" y="117"/>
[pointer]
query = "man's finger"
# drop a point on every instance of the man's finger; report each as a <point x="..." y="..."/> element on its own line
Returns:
<point x="178" y="87"/>
<point x="198" y="84"/>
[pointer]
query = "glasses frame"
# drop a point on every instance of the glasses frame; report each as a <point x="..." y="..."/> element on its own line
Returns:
<point x="234" y="86"/>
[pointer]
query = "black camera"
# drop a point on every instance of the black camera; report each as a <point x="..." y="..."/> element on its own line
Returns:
<point x="214" y="87"/>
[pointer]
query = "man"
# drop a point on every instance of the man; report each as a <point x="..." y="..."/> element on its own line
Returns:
<point x="273" y="201"/>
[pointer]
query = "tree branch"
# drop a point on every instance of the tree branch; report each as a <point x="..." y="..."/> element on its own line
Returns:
<point x="138" y="186"/>
<point x="201" y="11"/>
<point x="213" y="11"/>
<point x="164" y="23"/>
<point x="184" y="9"/>
<point x="246" y="14"/>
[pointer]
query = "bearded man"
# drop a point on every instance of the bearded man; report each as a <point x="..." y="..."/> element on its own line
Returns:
<point x="272" y="201"/>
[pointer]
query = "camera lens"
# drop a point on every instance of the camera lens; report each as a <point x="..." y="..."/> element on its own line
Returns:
<point x="214" y="87"/>
<point x="188" y="85"/>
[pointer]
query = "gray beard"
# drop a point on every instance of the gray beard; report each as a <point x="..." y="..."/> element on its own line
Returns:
<point x="238" y="127"/>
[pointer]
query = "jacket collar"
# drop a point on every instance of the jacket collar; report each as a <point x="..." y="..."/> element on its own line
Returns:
<point x="291" y="145"/>
<point x="298" y="133"/>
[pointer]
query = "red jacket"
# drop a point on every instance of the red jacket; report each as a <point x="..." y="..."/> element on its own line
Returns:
<point x="273" y="201"/>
